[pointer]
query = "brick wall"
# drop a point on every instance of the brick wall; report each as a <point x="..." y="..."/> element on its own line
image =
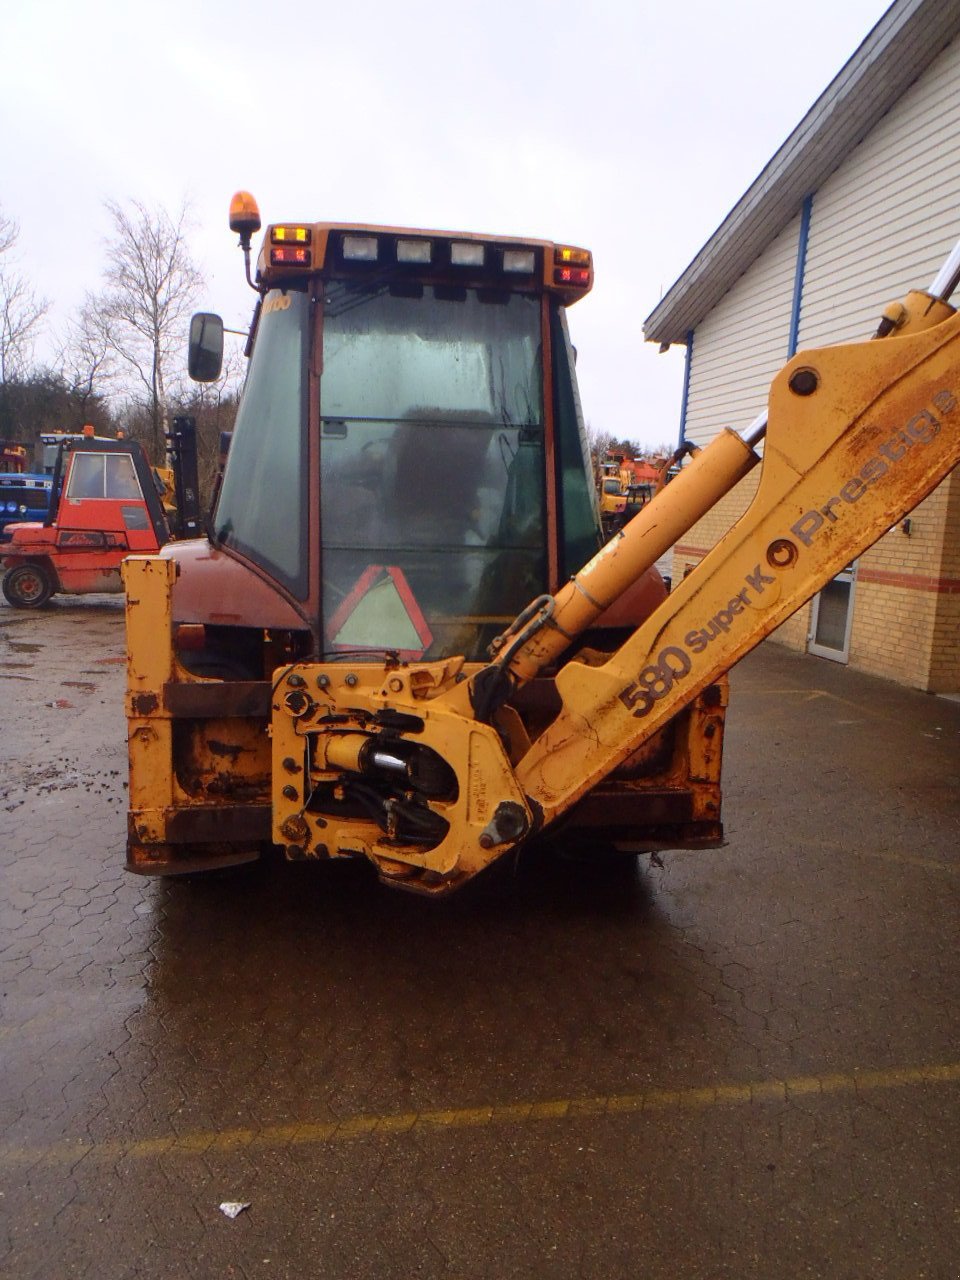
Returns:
<point x="944" y="676"/>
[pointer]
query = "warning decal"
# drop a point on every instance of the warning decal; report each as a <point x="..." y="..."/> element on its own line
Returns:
<point x="381" y="613"/>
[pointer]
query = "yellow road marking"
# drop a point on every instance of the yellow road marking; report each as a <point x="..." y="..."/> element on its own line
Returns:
<point x="517" y="1113"/>
<point x="813" y="695"/>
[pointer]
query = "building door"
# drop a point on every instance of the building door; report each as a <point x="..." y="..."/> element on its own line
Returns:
<point x="831" y="617"/>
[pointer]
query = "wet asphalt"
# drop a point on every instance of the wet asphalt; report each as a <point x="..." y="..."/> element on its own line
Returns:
<point x="741" y="1063"/>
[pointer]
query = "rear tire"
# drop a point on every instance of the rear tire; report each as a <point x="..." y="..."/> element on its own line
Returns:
<point x="28" y="586"/>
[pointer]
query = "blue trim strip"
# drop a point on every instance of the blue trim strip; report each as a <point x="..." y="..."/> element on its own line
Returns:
<point x="798" y="275"/>
<point x="688" y="361"/>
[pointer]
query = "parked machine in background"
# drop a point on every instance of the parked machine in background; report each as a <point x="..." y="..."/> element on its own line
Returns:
<point x="401" y="643"/>
<point x="612" y="493"/>
<point x="625" y="486"/>
<point x="24" y="495"/>
<point x="13" y="458"/>
<point x="104" y="503"/>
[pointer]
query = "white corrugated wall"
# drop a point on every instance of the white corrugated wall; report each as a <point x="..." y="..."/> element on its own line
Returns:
<point x="886" y="219"/>
<point x="742" y="343"/>
<point x="882" y="223"/>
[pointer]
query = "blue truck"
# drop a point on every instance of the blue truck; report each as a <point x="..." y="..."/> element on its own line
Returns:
<point x="24" y="495"/>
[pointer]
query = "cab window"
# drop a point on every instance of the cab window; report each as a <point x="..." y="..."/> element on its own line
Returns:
<point x="262" y="510"/>
<point x="103" y="475"/>
<point x="431" y="465"/>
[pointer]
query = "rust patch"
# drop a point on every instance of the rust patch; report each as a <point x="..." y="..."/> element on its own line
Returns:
<point x="229" y="749"/>
<point x="145" y="704"/>
<point x="712" y="696"/>
<point x="241" y="790"/>
<point x="223" y="824"/>
<point x="215" y="700"/>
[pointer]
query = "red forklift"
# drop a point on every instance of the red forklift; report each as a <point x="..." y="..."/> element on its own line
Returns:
<point x="105" y="504"/>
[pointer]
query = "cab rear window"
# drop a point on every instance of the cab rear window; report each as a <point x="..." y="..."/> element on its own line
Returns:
<point x="103" y="475"/>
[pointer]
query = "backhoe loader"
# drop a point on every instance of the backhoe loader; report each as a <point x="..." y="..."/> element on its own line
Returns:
<point x="403" y="641"/>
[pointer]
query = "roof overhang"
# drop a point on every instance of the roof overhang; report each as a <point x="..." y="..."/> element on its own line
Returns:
<point x="895" y="53"/>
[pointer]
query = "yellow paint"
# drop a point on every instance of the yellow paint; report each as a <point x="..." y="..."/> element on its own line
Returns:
<point x="752" y="1093"/>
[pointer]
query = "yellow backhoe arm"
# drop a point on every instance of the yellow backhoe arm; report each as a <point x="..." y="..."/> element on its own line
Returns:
<point x="857" y="436"/>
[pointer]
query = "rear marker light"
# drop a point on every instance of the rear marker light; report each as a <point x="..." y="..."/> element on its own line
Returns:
<point x="571" y="275"/>
<point x="360" y="248"/>
<point x="519" y="261"/>
<point x="414" y="251"/>
<point x="290" y="235"/>
<point x="466" y="255"/>
<point x="566" y="256"/>
<point x="290" y="256"/>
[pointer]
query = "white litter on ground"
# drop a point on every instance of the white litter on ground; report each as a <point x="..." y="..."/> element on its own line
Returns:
<point x="232" y="1208"/>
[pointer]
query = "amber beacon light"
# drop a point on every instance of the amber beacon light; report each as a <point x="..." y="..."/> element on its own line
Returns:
<point x="245" y="220"/>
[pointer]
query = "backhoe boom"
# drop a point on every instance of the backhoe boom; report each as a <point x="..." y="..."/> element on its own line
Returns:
<point x="857" y="436"/>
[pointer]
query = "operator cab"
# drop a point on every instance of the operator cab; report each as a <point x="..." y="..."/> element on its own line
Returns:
<point x="409" y="465"/>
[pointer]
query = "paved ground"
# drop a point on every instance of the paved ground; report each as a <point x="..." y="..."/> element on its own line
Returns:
<point x="742" y="1064"/>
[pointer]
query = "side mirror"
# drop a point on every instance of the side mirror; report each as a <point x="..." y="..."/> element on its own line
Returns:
<point x="205" y="355"/>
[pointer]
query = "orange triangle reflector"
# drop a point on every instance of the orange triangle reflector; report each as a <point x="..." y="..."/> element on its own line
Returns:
<point x="381" y="613"/>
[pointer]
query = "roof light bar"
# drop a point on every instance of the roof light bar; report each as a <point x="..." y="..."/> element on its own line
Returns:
<point x="290" y="255"/>
<point x="566" y="256"/>
<point x="290" y="235"/>
<point x="420" y="251"/>
<point x="519" y="261"/>
<point x="360" y="248"/>
<point x="466" y="254"/>
<point x="571" y="275"/>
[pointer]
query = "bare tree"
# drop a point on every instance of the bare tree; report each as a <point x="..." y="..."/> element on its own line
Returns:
<point x="84" y="358"/>
<point x="142" y="314"/>
<point x="21" y="310"/>
<point x="657" y="452"/>
<point x="214" y="405"/>
<point x="599" y="441"/>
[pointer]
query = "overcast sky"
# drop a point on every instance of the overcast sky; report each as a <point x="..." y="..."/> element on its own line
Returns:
<point x="630" y="129"/>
